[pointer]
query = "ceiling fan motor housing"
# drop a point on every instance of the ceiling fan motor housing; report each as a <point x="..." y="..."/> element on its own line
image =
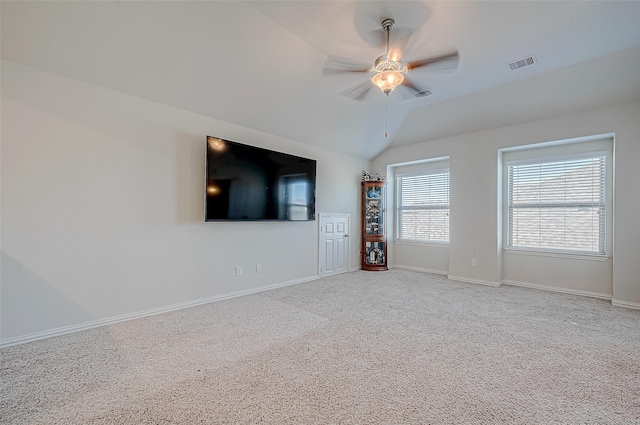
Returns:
<point x="387" y="24"/>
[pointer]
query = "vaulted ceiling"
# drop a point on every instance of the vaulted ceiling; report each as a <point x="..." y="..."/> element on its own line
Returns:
<point x="259" y="64"/>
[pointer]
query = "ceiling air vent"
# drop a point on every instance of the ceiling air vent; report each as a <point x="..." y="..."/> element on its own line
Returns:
<point x="521" y="63"/>
<point x="423" y="93"/>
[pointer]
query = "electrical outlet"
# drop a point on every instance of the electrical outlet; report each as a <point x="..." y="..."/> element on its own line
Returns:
<point x="258" y="268"/>
<point x="238" y="270"/>
<point x="474" y="262"/>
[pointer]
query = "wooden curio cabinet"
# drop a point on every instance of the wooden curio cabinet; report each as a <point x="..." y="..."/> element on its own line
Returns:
<point x="374" y="239"/>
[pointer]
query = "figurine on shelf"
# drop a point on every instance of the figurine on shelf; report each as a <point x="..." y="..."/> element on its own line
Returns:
<point x="380" y="256"/>
<point x="373" y="193"/>
<point x="375" y="256"/>
<point x="373" y="207"/>
<point x="373" y="177"/>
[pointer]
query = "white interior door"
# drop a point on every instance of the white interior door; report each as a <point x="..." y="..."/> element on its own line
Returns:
<point x="334" y="244"/>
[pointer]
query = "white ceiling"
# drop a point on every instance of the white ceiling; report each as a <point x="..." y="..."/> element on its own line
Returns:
<point x="259" y="64"/>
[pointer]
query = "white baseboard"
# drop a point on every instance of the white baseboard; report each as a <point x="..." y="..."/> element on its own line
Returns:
<point x="130" y="316"/>
<point x="476" y="281"/>
<point x="558" y="289"/>
<point x="419" y="269"/>
<point x="625" y="304"/>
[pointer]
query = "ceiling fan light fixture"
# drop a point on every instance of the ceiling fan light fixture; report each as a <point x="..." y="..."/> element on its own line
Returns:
<point x="389" y="74"/>
<point x="388" y="80"/>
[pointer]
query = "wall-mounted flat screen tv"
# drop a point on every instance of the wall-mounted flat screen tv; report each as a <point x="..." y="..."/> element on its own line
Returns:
<point x="246" y="183"/>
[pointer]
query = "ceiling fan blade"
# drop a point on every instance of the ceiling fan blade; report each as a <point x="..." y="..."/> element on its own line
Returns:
<point x="448" y="62"/>
<point x="409" y="84"/>
<point x="407" y="89"/>
<point x="335" y="65"/>
<point x="358" y="91"/>
<point x="398" y="39"/>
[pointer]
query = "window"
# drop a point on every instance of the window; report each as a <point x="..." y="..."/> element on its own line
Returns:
<point x="422" y="207"/>
<point x="557" y="204"/>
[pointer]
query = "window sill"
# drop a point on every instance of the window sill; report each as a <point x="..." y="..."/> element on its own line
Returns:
<point x="573" y="256"/>
<point x="444" y="245"/>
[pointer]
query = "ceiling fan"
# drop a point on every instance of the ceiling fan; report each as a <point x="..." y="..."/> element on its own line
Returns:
<point x="388" y="70"/>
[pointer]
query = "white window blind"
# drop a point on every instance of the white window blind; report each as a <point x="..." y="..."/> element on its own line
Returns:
<point x="422" y="207"/>
<point x="557" y="205"/>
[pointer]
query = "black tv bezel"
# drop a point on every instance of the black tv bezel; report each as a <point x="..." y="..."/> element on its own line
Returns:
<point x="264" y="151"/>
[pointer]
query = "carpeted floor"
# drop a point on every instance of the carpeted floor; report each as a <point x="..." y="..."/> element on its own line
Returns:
<point x="394" y="347"/>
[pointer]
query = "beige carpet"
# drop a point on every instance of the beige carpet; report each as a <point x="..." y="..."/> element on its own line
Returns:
<point x="395" y="347"/>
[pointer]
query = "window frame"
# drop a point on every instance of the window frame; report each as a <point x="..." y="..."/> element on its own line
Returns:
<point x="441" y="167"/>
<point x="553" y="152"/>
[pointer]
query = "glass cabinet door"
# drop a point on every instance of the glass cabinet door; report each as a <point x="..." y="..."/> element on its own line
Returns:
<point x="374" y="253"/>
<point x="374" y="214"/>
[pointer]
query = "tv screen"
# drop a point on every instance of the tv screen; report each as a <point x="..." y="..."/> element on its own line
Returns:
<point x="249" y="183"/>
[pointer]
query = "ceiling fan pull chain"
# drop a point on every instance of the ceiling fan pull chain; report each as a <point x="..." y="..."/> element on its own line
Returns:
<point x="386" y="117"/>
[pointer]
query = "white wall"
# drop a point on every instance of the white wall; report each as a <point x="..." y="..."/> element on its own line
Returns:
<point x="475" y="225"/>
<point x="102" y="207"/>
<point x="429" y="258"/>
